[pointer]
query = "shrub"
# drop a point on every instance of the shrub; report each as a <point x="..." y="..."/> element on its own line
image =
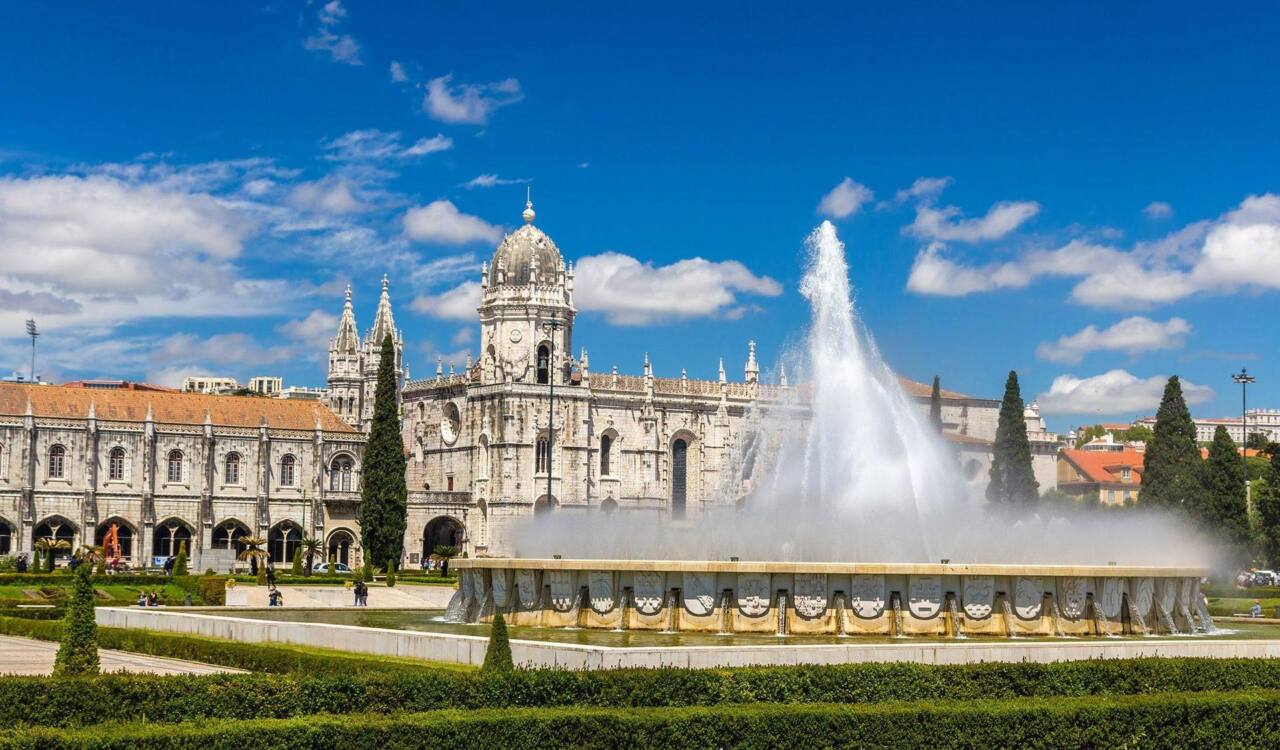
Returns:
<point x="180" y="562"/>
<point x="78" y="653"/>
<point x="262" y="575"/>
<point x="497" y="657"/>
<point x="296" y="569"/>
<point x="1176" y="720"/>
<point x="391" y="573"/>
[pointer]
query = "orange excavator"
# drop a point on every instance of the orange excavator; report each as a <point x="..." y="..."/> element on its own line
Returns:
<point x="111" y="545"/>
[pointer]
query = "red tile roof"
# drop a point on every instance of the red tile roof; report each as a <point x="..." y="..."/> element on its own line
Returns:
<point x="126" y="405"/>
<point x="1106" y="467"/>
<point x="925" y="390"/>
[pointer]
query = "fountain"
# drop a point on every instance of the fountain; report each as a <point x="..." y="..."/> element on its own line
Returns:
<point x="852" y="492"/>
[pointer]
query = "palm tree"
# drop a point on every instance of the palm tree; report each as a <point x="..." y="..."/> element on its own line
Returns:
<point x="90" y="554"/>
<point x="50" y="546"/>
<point x="310" y="547"/>
<point x="444" y="553"/>
<point x="253" y="552"/>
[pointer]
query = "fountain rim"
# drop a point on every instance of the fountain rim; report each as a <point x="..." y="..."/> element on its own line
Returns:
<point x="837" y="568"/>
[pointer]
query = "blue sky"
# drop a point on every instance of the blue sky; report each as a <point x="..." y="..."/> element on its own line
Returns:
<point x="1087" y="195"/>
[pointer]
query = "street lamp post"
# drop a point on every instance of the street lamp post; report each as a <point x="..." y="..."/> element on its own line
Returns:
<point x="550" y="327"/>
<point x="1244" y="379"/>
<point x="33" y="333"/>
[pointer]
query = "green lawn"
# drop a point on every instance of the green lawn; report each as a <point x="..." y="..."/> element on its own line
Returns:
<point x="107" y="593"/>
<point x="1241" y="605"/>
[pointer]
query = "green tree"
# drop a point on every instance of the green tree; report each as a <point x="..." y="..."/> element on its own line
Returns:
<point x="311" y="546"/>
<point x="1267" y="503"/>
<point x="1257" y="441"/>
<point x="497" y="657"/>
<point x="1139" y="433"/>
<point x="1089" y="433"/>
<point x="180" y="562"/>
<point x="391" y="573"/>
<point x="295" y="568"/>
<point x="1223" y="513"/>
<point x="1013" y="481"/>
<point x="1172" y="466"/>
<point x="78" y="653"/>
<point x="35" y="561"/>
<point x="383" y="494"/>
<point x="935" y="405"/>
<point x="444" y="553"/>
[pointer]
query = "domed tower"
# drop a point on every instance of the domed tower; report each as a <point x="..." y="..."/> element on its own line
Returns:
<point x="526" y="309"/>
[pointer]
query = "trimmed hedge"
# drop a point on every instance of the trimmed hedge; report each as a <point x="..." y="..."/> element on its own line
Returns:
<point x="1248" y="719"/>
<point x="255" y="657"/>
<point x="55" y="702"/>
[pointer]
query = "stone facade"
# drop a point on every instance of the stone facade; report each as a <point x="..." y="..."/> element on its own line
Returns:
<point x="353" y="364"/>
<point x="481" y="455"/>
<point x="167" y="468"/>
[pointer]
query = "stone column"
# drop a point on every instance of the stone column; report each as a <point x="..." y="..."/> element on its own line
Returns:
<point x="27" y="520"/>
<point x="89" y="509"/>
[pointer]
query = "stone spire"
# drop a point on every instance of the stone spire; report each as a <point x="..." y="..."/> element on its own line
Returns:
<point x="348" y="340"/>
<point x="782" y="375"/>
<point x="383" y="322"/>
<point x="439" y="367"/>
<point x="722" y="375"/>
<point x="752" y="370"/>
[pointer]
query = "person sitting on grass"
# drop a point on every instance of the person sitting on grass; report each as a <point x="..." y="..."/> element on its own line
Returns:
<point x="142" y="598"/>
<point x="153" y="599"/>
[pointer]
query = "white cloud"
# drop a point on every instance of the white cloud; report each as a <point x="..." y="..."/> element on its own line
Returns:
<point x="924" y="189"/>
<point x="946" y="223"/>
<point x="633" y="293"/>
<point x="845" y="199"/>
<point x="444" y="270"/>
<point x="1114" y="392"/>
<point x="377" y="145"/>
<point x="313" y="331"/>
<point x="327" y="196"/>
<point x="459" y="303"/>
<point x="462" y="336"/>
<point x="1131" y="335"/>
<point x="341" y="47"/>
<point x="468" y="103"/>
<point x="1158" y="210"/>
<point x="1239" y="250"/>
<point x="492" y="180"/>
<point x="441" y="222"/>
<point x="398" y="73"/>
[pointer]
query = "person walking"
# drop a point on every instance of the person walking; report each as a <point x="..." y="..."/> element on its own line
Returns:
<point x="355" y="592"/>
<point x="271" y="576"/>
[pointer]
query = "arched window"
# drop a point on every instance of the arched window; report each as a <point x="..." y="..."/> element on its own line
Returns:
<point x="340" y="474"/>
<point x="543" y="458"/>
<point x="288" y="475"/>
<point x="174" y="472"/>
<point x="231" y="474"/>
<point x="59" y="530"/>
<point x="169" y="538"/>
<point x="6" y="538"/>
<point x="606" y="451"/>
<point x="283" y="541"/>
<point x="115" y="465"/>
<point x="57" y="462"/>
<point x="341" y="546"/>
<point x="122" y="540"/>
<point x="544" y="364"/>
<point x="227" y="536"/>
<point x="679" y="458"/>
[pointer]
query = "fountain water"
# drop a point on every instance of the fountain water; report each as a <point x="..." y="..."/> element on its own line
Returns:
<point x="1057" y="619"/>
<point x="1137" y="622"/>
<point x="1206" y="620"/>
<point x="726" y="599"/>
<point x="454" y="611"/>
<point x="896" y="602"/>
<point x="1100" y="622"/>
<point x="1166" y="620"/>
<point x="1009" y="621"/>
<point x="953" y="610"/>
<point x="782" y="613"/>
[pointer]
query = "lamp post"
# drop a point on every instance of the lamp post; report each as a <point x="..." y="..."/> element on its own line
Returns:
<point x="1244" y="379"/>
<point x="33" y="333"/>
<point x="550" y="327"/>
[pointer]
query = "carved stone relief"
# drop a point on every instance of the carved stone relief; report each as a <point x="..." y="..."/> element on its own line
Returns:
<point x="753" y="594"/>
<point x="500" y="588"/>
<point x="699" y="593"/>
<point x="600" y="586"/>
<point x="978" y="594"/>
<point x="924" y="596"/>
<point x="1166" y="594"/>
<point x="1028" y="597"/>
<point x="563" y="592"/>
<point x="527" y="585"/>
<point x="867" y="597"/>
<point x="811" y="594"/>
<point x="1110" y="597"/>
<point x="1073" y="593"/>
<point x="1142" y="594"/>
<point x="648" y="592"/>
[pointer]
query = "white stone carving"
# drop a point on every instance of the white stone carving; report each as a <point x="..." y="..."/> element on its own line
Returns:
<point x="753" y="594"/>
<point x="1073" y="596"/>
<point x="1028" y="597"/>
<point x="600" y="586"/>
<point x="867" y="597"/>
<point x="1187" y="593"/>
<point x="811" y="594"/>
<point x="478" y="585"/>
<point x="1166" y="594"/>
<point x="647" y="591"/>
<point x="1142" y="594"/>
<point x="527" y="585"/>
<point x="1110" y="597"/>
<point x="499" y="586"/>
<point x="924" y="596"/>
<point x="563" y="591"/>
<point x="699" y="591"/>
<point x="978" y="594"/>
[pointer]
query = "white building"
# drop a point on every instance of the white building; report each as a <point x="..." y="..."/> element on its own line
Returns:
<point x="1262" y="421"/>
<point x="209" y="384"/>
<point x="266" y="385"/>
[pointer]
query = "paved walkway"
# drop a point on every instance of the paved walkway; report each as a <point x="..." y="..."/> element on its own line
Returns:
<point x="26" y="656"/>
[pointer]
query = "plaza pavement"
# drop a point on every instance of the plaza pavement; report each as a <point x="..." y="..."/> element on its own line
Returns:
<point x="26" y="656"/>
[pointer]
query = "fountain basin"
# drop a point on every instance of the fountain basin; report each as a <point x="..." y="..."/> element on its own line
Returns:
<point x="830" y="598"/>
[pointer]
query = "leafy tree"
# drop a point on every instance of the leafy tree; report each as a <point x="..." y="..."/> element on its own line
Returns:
<point x="78" y="654"/>
<point x="50" y="548"/>
<point x="1224" y="513"/>
<point x="1013" y="481"/>
<point x="1172" y="466"/>
<point x="497" y="657"/>
<point x="1267" y="502"/>
<point x="255" y="554"/>
<point x="1257" y="441"/>
<point x="1089" y="433"/>
<point x="180" y="562"/>
<point x="383" y="495"/>
<point x="1139" y="433"/>
<point x="444" y="553"/>
<point x="311" y="546"/>
<point x="935" y="405"/>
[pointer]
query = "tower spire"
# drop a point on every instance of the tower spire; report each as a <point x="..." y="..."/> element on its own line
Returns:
<point x="348" y="339"/>
<point x="752" y="370"/>
<point x="528" y="213"/>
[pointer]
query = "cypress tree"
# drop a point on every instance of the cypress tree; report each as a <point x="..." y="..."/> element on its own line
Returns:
<point x="1013" y="481"/>
<point x="1267" y="501"/>
<point x="935" y="405"/>
<point x="180" y="562"/>
<point x="295" y="568"/>
<point x="1171" y="467"/>
<point x="497" y="657"/>
<point x="391" y="573"/>
<point x="1223" y="513"/>
<point x="384" y="496"/>
<point x="35" y="562"/>
<point x="78" y="653"/>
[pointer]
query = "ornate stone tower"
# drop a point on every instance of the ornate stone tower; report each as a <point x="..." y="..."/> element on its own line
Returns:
<point x="345" y="377"/>
<point x="526" y="287"/>
<point x="383" y="324"/>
